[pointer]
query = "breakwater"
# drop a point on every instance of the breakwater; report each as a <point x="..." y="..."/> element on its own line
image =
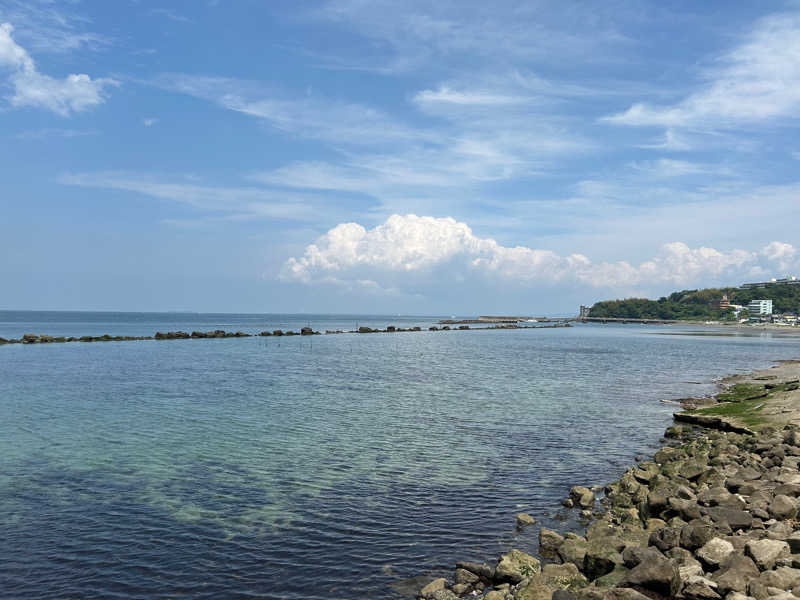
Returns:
<point x="31" y="338"/>
<point x="713" y="515"/>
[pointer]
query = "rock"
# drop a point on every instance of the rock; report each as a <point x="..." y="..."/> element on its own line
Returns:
<point x="668" y="454"/>
<point x="563" y="595"/>
<point x="582" y="496"/>
<point x="719" y="496"/>
<point x="736" y="519"/>
<point x="766" y="552"/>
<point x="622" y="593"/>
<point x="515" y="566"/>
<point x="633" y="555"/>
<point x="784" y="578"/>
<point x="666" y="538"/>
<point x="600" y="559"/>
<point x="696" y="534"/>
<point x="443" y="595"/>
<point x="482" y="570"/>
<point x="794" y="542"/>
<point x="433" y="587"/>
<point x="564" y="575"/>
<point x="535" y="589"/>
<point x="524" y="519"/>
<point x="693" y="470"/>
<point x="465" y="576"/>
<point x="781" y="530"/>
<point x="783" y="507"/>
<point x="645" y="472"/>
<point x="700" y="590"/>
<point x="685" y="509"/>
<point x="611" y="579"/>
<point x="788" y="489"/>
<point x="657" y="574"/>
<point x="494" y="594"/>
<point x="735" y="573"/>
<point x="549" y="542"/>
<point x="573" y="550"/>
<point x="715" y="552"/>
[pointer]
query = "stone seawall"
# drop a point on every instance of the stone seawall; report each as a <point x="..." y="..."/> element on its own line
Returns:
<point x="31" y="338"/>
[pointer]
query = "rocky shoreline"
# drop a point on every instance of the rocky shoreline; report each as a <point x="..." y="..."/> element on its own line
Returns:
<point x="713" y="515"/>
<point x="31" y="338"/>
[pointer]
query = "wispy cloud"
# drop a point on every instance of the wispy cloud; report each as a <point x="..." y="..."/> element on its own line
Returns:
<point x="343" y="123"/>
<point x="74" y="93"/>
<point x="170" y="14"/>
<point x="668" y="167"/>
<point x="757" y="81"/>
<point x="216" y="202"/>
<point x="446" y="95"/>
<point x="47" y="26"/>
<point x="40" y="134"/>
<point x="149" y="122"/>
<point x="414" y="34"/>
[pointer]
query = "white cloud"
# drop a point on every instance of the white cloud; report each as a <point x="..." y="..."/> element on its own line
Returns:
<point x="671" y="141"/>
<point x="45" y="26"/>
<point x="149" y="122"/>
<point x="40" y="134"/>
<point x="757" y="81"/>
<point x="446" y="95"/>
<point x="74" y="93"/>
<point x="668" y="167"/>
<point x="216" y="202"/>
<point x="343" y="123"/>
<point x="169" y="14"/>
<point x="412" y="34"/>
<point x="405" y="248"/>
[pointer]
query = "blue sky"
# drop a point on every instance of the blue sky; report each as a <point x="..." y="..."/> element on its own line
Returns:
<point x="393" y="157"/>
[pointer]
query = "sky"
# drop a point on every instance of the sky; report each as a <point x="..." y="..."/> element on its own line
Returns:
<point x="354" y="156"/>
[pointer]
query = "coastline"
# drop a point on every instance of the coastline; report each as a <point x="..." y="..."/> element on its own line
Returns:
<point x="713" y="515"/>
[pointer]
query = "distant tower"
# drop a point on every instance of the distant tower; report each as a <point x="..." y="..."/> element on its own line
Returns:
<point x="584" y="311"/>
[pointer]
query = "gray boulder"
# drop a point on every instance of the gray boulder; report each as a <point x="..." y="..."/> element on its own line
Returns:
<point x="515" y="566"/>
<point x="735" y="574"/>
<point x="783" y="507"/>
<point x="766" y="552"/>
<point x="715" y="552"/>
<point x="549" y="542"/>
<point x="657" y="574"/>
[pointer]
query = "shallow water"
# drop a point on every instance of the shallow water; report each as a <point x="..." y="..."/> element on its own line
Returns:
<point x="323" y="467"/>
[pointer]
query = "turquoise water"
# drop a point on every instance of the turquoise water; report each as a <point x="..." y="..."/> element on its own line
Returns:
<point x="323" y="467"/>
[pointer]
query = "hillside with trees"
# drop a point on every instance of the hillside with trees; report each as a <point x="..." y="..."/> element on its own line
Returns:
<point x="696" y="304"/>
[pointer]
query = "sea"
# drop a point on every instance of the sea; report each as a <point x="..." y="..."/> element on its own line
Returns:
<point x="330" y="466"/>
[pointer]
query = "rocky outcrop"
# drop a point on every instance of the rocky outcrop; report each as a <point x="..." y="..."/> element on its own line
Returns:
<point x="713" y="516"/>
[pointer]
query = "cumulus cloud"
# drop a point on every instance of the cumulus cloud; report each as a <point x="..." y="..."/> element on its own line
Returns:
<point x="74" y="93"/>
<point x="756" y="81"/>
<point x="409" y="247"/>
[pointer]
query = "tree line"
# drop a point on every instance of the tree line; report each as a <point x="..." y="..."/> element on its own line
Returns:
<point x="696" y="304"/>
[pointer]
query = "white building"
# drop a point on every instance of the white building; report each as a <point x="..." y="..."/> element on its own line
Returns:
<point x="760" y="307"/>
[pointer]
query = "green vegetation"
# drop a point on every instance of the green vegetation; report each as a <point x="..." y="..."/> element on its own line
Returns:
<point x="696" y="304"/>
<point x="741" y="392"/>
<point x="746" y="412"/>
<point x="744" y="402"/>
